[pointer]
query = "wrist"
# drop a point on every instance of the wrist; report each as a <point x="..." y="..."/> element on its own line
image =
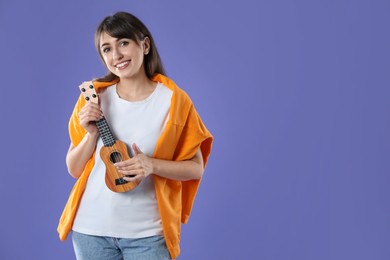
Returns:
<point x="92" y="135"/>
<point x="155" y="165"/>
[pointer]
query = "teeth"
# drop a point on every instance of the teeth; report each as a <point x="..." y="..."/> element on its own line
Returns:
<point x="120" y="65"/>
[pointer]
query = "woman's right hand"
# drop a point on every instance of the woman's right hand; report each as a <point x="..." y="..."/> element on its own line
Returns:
<point x="78" y="156"/>
<point x="88" y="115"/>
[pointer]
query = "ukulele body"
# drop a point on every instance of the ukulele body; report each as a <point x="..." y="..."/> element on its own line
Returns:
<point x="110" y="155"/>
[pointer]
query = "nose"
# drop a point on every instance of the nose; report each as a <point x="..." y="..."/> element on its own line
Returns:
<point x="116" y="54"/>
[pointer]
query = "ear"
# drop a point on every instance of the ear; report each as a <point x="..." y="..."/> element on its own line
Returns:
<point x="146" y="45"/>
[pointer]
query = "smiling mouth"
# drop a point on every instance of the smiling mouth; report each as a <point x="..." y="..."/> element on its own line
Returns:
<point x="122" y="65"/>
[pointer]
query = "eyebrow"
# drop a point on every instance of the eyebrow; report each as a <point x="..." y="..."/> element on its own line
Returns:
<point x="106" y="43"/>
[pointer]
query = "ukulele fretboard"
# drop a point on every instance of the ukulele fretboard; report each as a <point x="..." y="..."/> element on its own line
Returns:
<point x="105" y="132"/>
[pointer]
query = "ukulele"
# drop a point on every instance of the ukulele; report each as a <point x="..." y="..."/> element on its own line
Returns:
<point x="113" y="150"/>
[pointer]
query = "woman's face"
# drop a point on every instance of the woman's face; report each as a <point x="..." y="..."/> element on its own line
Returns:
<point x="123" y="57"/>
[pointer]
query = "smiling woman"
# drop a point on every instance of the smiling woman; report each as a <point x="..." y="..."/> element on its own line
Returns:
<point x="124" y="58"/>
<point x="126" y="26"/>
<point x="168" y="144"/>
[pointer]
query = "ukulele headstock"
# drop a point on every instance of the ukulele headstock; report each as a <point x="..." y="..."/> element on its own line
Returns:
<point x="89" y="92"/>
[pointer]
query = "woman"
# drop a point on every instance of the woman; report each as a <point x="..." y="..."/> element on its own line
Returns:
<point x="168" y="143"/>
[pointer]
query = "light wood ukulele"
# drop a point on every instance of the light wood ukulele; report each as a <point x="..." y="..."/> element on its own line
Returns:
<point x="113" y="150"/>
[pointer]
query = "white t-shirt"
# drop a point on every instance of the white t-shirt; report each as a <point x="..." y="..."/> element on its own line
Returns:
<point x="131" y="214"/>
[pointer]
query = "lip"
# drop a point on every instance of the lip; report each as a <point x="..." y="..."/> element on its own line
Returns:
<point x="122" y="65"/>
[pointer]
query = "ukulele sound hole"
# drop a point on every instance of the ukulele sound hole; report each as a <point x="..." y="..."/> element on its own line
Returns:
<point x="115" y="157"/>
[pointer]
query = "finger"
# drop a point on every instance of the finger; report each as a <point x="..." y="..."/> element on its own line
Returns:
<point x="130" y="179"/>
<point x="91" y="107"/>
<point x="136" y="149"/>
<point x="127" y="168"/>
<point x="89" y="118"/>
<point x="130" y="174"/>
<point x="130" y="169"/>
<point x="88" y="113"/>
<point x="122" y="164"/>
<point x="133" y="177"/>
<point x="92" y="110"/>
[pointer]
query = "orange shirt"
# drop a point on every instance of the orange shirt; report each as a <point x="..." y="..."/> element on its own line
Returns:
<point x="184" y="134"/>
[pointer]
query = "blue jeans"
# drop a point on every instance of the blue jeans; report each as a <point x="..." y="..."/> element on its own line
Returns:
<point x="89" y="247"/>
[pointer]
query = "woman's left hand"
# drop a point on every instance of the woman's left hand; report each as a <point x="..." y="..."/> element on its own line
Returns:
<point x="136" y="168"/>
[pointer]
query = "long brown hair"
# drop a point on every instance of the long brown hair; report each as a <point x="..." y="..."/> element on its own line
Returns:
<point x="125" y="25"/>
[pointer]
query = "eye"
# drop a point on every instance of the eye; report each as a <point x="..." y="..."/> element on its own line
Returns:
<point x="124" y="43"/>
<point x="105" y="50"/>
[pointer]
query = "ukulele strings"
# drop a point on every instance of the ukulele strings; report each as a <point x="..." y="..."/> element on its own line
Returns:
<point x="115" y="156"/>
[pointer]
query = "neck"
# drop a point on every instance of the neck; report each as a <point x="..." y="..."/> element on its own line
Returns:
<point x="136" y="88"/>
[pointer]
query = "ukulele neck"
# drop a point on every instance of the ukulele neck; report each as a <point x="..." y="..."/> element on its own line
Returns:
<point x="105" y="132"/>
<point x="88" y="91"/>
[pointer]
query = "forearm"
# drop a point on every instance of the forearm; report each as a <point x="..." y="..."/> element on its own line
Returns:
<point x="79" y="155"/>
<point x="141" y="165"/>
<point x="179" y="170"/>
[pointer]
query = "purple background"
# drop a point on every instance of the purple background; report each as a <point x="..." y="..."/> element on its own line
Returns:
<point x="296" y="94"/>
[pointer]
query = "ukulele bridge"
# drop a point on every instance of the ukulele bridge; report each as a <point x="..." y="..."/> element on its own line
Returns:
<point x="120" y="181"/>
